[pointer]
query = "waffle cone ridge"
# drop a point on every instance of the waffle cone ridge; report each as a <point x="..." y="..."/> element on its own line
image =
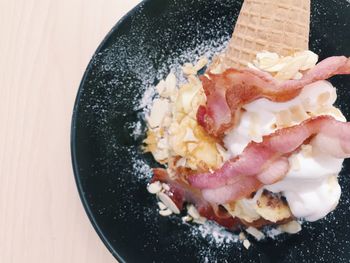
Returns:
<point x="280" y="26"/>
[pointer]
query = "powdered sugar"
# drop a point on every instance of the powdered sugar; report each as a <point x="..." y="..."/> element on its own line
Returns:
<point x="137" y="129"/>
<point x="142" y="170"/>
<point x="214" y="233"/>
<point x="272" y="232"/>
<point x="147" y="98"/>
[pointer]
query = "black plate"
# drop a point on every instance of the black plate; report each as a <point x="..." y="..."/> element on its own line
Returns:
<point x="110" y="169"/>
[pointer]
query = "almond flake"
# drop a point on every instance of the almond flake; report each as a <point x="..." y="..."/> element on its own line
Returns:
<point x="298" y="76"/>
<point x="291" y="227"/>
<point x="242" y="236"/>
<point x="246" y="244"/>
<point x="166" y="200"/>
<point x="291" y="68"/>
<point x="189" y="69"/>
<point x="192" y="146"/>
<point x="166" y="212"/>
<point x="189" y="136"/>
<point x="193" y="212"/>
<point x="162" y="206"/>
<point x="155" y="187"/>
<point x="202" y="62"/>
<point x="311" y="59"/>
<point x="161" y="87"/>
<point x="186" y="218"/>
<point x="181" y="162"/>
<point x="160" y="109"/>
<point x="170" y="82"/>
<point x="255" y="233"/>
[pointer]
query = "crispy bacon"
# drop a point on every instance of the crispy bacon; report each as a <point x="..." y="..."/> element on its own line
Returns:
<point x="266" y="162"/>
<point x="228" y="92"/>
<point x="181" y="192"/>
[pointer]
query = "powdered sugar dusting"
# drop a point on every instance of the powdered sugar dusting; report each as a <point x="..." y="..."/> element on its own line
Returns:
<point x="214" y="233"/>
<point x="137" y="129"/>
<point x="272" y="232"/>
<point x="142" y="170"/>
<point x="147" y="98"/>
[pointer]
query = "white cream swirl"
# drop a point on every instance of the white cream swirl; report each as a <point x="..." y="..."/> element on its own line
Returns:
<point x="311" y="186"/>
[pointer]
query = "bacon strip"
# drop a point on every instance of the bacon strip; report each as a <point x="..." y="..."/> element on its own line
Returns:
<point x="229" y="91"/>
<point x="266" y="162"/>
<point x="180" y="192"/>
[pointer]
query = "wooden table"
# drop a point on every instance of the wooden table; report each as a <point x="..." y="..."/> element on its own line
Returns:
<point x="44" y="49"/>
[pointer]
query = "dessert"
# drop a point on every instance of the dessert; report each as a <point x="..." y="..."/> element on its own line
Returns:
<point x="256" y="140"/>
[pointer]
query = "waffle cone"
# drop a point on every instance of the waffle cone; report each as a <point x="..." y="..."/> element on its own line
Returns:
<point x="280" y="26"/>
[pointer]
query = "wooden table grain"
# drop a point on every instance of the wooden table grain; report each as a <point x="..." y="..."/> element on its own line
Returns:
<point x="44" y="48"/>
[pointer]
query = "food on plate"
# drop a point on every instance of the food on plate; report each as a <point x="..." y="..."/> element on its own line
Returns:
<point x="257" y="139"/>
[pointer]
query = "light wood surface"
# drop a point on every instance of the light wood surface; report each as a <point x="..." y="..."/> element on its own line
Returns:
<point x="44" y="49"/>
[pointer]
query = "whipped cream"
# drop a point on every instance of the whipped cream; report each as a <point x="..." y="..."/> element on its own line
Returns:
<point x="311" y="186"/>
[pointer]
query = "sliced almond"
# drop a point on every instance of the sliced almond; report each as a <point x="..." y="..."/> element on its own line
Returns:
<point x="189" y="69"/>
<point x="266" y="60"/>
<point x="255" y="233"/>
<point x="166" y="212"/>
<point x="291" y="227"/>
<point x="291" y="68"/>
<point x="242" y="236"/>
<point x="170" y="82"/>
<point x="165" y="199"/>
<point x="181" y="162"/>
<point x="311" y="60"/>
<point x="160" y="155"/>
<point x="191" y="146"/>
<point x="272" y="208"/>
<point x="161" y="87"/>
<point x="159" y="111"/>
<point x="298" y="75"/>
<point x="186" y="94"/>
<point x="243" y="209"/>
<point x="193" y="212"/>
<point x="206" y="153"/>
<point x="202" y="62"/>
<point x="246" y="244"/>
<point x="287" y="67"/>
<point x="155" y="187"/>
<point x="186" y="218"/>
<point x="162" y="206"/>
<point x="189" y="136"/>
